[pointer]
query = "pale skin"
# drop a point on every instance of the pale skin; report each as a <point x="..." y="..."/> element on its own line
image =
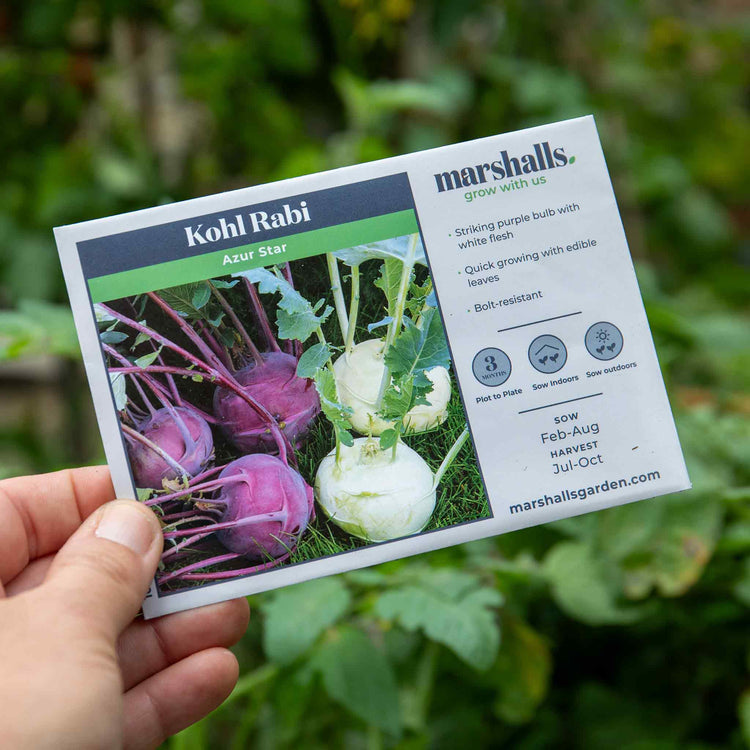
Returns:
<point x="77" y="669"/>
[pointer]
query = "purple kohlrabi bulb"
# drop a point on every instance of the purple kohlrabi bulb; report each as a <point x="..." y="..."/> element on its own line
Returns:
<point x="267" y="486"/>
<point x="291" y="400"/>
<point x="179" y="431"/>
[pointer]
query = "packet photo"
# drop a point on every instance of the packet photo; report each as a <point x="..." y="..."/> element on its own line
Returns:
<point x="345" y="368"/>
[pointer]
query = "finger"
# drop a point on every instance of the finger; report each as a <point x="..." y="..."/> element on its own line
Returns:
<point x="39" y="513"/>
<point x="101" y="575"/>
<point x="30" y="577"/>
<point x="148" y="647"/>
<point x="177" y="697"/>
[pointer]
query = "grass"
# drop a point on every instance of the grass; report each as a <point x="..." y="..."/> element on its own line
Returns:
<point x="460" y="497"/>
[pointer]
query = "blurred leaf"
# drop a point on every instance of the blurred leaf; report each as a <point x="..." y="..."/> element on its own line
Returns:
<point x="357" y="675"/>
<point x="674" y="557"/>
<point x="119" y="176"/>
<point x="296" y="617"/>
<point x="580" y="586"/>
<point x="369" y="102"/>
<point x="744" y="712"/>
<point x="742" y="587"/>
<point x="38" y="328"/>
<point x="624" y="530"/>
<point x="460" y="615"/>
<point x="603" y="719"/>
<point x="522" y="672"/>
<point x="702" y="218"/>
<point x="192" y="738"/>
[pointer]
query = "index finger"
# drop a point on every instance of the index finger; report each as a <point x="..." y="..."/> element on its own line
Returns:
<point x="39" y="513"/>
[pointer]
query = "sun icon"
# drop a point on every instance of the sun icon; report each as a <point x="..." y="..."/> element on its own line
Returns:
<point x="602" y="335"/>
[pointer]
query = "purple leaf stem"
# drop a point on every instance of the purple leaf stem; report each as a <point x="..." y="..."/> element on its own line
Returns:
<point x="136" y="436"/>
<point x="227" y="380"/>
<point x="186" y="575"/>
<point x="277" y="515"/>
<point x="238" y="325"/>
<point x="204" y="487"/>
<point x="260" y="314"/>
<point x="189" y="331"/>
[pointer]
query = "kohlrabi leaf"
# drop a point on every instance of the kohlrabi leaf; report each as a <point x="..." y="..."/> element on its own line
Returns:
<point x="112" y="337"/>
<point x="102" y="316"/>
<point x="390" y="281"/>
<point x="214" y="318"/>
<point x="397" y="399"/>
<point x="299" y="326"/>
<point x="227" y="336"/>
<point x="181" y="298"/>
<point x="144" y="493"/>
<point x="379" y="324"/>
<point x="422" y="385"/>
<point x="201" y="296"/>
<point x="194" y="302"/>
<point x="312" y="360"/>
<point x="141" y="338"/>
<point x="418" y="298"/>
<point x="268" y="283"/>
<point x="336" y="412"/>
<point x="148" y="359"/>
<point x="296" y="317"/>
<point x="345" y="436"/>
<point x="117" y="379"/>
<point x="404" y="393"/>
<point x="397" y="247"/>
<point x="139" y="302"/>
<point x="388" y="438"/>
<point x="325" y="384"/>
<point x="418" y="349"/>
<point x="220" y="284"/>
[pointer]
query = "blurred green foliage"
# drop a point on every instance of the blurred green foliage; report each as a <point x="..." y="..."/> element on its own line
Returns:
<point x="627" y="628"/>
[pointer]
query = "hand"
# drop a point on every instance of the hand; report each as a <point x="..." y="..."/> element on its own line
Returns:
<point x="75" y="670"/>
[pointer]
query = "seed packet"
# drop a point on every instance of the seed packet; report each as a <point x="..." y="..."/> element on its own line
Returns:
<point x="345" y="368"/>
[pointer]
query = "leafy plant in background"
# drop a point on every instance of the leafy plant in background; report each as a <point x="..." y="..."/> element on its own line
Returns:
<point x="646" y="644"/>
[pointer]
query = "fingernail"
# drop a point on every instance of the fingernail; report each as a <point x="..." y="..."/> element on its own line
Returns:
<point x="126" y="524"/>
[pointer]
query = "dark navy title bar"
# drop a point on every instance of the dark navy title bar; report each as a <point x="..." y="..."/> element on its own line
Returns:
<point x="263" y="221"/>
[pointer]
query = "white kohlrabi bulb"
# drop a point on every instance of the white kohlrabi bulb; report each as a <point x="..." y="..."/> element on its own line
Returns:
<point x="426" y="416"/>
<point x="359" y="375"/>
<point x="373" y="495"/>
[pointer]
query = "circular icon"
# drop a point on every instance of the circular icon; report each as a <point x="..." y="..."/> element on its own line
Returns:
<point x="547" y="353"/>
<point x="603" y="340"/>
<point x="491" y="367"/>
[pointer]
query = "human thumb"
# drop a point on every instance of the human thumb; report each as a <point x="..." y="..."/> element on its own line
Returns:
<point x="103" y="571"/>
